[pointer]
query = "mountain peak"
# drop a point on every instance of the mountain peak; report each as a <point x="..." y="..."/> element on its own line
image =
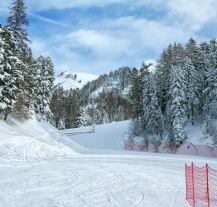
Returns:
<point x="72" y="80"/>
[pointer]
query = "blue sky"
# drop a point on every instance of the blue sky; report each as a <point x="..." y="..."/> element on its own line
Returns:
<point x="98" y="36"/>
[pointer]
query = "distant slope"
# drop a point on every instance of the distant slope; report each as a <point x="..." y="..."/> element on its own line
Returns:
<point x="107" y="136"/>
<point x="111" y="137"/>
<point x="73" y="80"/>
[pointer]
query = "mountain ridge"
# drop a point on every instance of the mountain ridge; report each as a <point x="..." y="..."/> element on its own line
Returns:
<point x="73" y="80"/>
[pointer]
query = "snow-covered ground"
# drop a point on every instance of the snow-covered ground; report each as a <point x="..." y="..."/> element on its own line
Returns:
<point x="103" y="180"/>
<point x="34" y="141"/>
<point x="69" y="178"/>
<point x="111" y="136"/>
<point x="106" y="136"/>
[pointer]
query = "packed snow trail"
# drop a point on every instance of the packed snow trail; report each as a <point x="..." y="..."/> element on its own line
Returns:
<point x="40" y="167"/>
<point x="102" y="180"/>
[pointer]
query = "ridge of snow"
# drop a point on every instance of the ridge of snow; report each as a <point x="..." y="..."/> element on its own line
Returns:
<point x="33" y="140"/>
<point x="73" y="80"/>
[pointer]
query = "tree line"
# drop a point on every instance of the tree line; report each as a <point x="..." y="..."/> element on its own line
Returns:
<point x="103" y="100"/>
<point x="182" y="90"/>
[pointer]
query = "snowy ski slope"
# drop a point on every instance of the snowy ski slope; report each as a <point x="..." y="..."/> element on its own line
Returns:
<point x="103" y="180"/>
<point x="59" y="174"/>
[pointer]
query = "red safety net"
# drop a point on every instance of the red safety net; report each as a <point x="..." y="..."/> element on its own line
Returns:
<point x="201" y="186"/>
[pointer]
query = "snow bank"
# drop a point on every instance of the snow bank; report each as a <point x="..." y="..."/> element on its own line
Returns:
<point x="34" y="140"/>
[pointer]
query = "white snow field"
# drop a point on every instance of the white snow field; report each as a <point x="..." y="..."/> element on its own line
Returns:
<point x="145" y="180"/>
<point x="72" y="179"/>
<point x="107" y="136"/>
<point x="111" y="137"/>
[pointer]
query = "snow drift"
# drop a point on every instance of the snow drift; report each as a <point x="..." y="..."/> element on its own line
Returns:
<point x="33" y="140"/>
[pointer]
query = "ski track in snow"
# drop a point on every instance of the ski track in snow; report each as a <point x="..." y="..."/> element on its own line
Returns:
<point x="95" y="181"/>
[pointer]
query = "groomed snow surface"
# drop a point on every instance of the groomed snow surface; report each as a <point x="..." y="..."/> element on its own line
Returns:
<point x="40" y="167"/>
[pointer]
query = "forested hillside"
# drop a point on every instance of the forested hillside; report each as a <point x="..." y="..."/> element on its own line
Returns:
<point x="181" y="91"/>
<point x="103" y="100"/>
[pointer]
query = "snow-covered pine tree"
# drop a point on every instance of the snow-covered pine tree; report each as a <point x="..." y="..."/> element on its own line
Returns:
<point x="152" y="117"/>
<point x="177" y="53"/>
<point x="210" y="106"/>
<point x="192" y="52"/>
<point x="136" y="95"/>
<point x="146" y="102"/>
<point x="45" y="78"/>
<point x="10" y="75"/>
<point x="82" y="118"/>
<point x="204" y="67"/>
<point x="155" y="121"/>
<point x="212" y="77"/>
<point x="177" y="105"/>
<point x="30" y="76"/>
<point x="17" y="21"/>
<point x="191" y="88"/>
<point x="57" y="107"/>
<point x="163" y="76"/>
<point x="71" y="109"/>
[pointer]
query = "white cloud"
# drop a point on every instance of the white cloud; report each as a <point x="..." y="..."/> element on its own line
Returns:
<point x="192" y="14"/>
<point x="188" y="14"/>
<point x="117" y="42"/>
<point x="111" y="44"/>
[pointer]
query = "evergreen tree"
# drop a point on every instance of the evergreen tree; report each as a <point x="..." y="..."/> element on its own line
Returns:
<point x="212" y="76"/>
<point x="152" y="117"/>
<point x="177" y="105"/>
<point x="204" y="67"/>
<point x="163" y="76"/>
<point x="10" y="76"/>
<point x="57" y="107"/>
<point x="210" y="92"/>
<point x="155" y="122"/>
<point x="136" y="95"/>
<point x="45" y="78"/>
<point x="82" y="118"/>
<point x="193" y="54"/>
<point x="191" y="88"/>
<point x="17" y="21"/>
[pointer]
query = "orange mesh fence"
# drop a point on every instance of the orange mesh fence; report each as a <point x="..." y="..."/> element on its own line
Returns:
<point x="201" y="186"/>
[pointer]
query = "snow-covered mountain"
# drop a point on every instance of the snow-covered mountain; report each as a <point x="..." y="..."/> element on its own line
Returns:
<point x="73" y="80"/>
<point x="104" y="99"/>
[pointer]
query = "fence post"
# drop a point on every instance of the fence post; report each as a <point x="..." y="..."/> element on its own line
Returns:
<point x="192" y="171"/>
<point x="207" y="183"/>
<point x="186" y="181"/>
